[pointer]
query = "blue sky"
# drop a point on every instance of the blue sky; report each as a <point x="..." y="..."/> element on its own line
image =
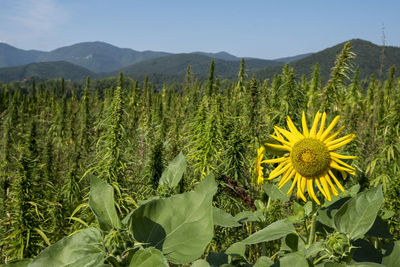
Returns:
<point x="254" y="28"/>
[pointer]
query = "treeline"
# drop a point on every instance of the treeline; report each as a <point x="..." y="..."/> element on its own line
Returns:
<point x="55" y="133"/>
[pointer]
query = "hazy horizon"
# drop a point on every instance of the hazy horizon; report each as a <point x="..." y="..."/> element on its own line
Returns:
<point x="259" y="29"/>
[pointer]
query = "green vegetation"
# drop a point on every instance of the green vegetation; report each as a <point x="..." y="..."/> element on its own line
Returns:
<point x="112" y="172"/>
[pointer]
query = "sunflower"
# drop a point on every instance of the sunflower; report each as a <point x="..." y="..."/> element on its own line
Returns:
<point x="310" y="157"/>
<point x="259" y="168"/>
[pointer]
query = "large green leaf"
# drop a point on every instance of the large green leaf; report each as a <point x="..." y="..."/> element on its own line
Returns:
<point x="275" y="193"/>
<point x="263" y="261"/>
<point x="224" y="219"/>
<point x="238" y="248"/>
<point x="101" y="201"/>
<point x="358" y="214"/>
<point x="81" y="249"/>
<point x="292" y="259"/>
<point x="180" y="226"/>
<point x="174" y="172"/>
<point x="273" y="231"/>
<point x="392" y="259"/>
<point x="200" y="263"/>
<point x="148" y="257"/>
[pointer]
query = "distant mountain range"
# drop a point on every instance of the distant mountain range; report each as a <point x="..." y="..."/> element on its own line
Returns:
<point x="99" y="59"/>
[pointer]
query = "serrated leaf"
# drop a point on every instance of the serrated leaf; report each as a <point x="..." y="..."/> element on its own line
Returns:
<point x="358" y="214"/>
<point x="180" y="226"/>
<point x="148" y="257"/>
<point x="82" y="249"/>
<point x="174" y="172"/>
<point x="224" y="219"/>
<point x="273" y="231"/>
<point x="101" y="201"/>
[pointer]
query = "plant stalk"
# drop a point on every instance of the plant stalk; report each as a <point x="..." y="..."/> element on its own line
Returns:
<point x="313" y="224"/>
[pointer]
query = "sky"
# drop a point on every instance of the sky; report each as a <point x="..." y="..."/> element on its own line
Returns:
<point x="255" y="28"/>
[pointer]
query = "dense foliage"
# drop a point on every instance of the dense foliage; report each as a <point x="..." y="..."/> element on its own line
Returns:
<point x="117" y="173"/>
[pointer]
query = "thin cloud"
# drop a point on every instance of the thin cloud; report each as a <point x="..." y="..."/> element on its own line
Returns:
<point x="39" y="16"/>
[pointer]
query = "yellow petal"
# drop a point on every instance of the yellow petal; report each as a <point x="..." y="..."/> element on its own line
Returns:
<point x="293" y="128"/>
<point x="277" y="160"/>
<point x="333" y="188"/>
<point x="281" y="140"/>
<point x="304" y="124"/>
<point x="310" y="188"/>
<point x="336" y="180"/>
<point x="340" y="168"/>
<point x="326" y="187"/>
<point x="313" y="131"/>
<point x="320" y="188"/>
<point x="293" y="184"/>
<point x="280" y="147"/>
<point x="348" y="140"/>
<point x="289" y="136"/>
<point x="287" y="178"/>
<point x="336" y="155"/>
<point x="336" y="141"/>
<point x="333" y="136"/>
<point x="321" y="128"/>
<point x="330" y="127"/>
<point x="343" y="163"/>
<point x="300" y="183"/>
<point x="276" y="174"/>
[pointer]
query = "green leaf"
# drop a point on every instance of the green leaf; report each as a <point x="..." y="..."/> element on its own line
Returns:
<point x="200" y="263"/>
<point x="148" y="257"/>
<point x="180" y="226"/>
<point x="18" y="263"/>
<point x="275" y="193"/>
<point x="224" y="219"/>
<point x="292" y="243"/>
<point x="174" y="172"/>
<point x="365" y="264"/>
<point x="238" y="248"/>
<point x="392" y="256"/>
<point x="101" y="201"/>
<point x="357" y="215"/>
<point x="249" y="216"/>
<point x="273" y="231"/>
<point x="292" y="259"/>
<point x="81" y="249"/>
<point x="263" y="261"/>
<point x="326" y="214"/>
<point x="314" y="249"/>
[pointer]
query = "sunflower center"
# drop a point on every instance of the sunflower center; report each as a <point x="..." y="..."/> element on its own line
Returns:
<point x="310" y="157"/>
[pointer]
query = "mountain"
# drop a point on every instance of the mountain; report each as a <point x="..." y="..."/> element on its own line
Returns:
<point x="294" y="58"/>
<point x="367" y="58"/>
<point x="11" y="56"/>
<point x="220" y="55"/>
<point x="46" y="70"/>
<point x="95" y="56"/>
<point x="99" y="56"/>
<point x="176" y="64"/>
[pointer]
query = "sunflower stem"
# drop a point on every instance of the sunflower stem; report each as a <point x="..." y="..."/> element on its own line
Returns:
<point x="313" y="224"/>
